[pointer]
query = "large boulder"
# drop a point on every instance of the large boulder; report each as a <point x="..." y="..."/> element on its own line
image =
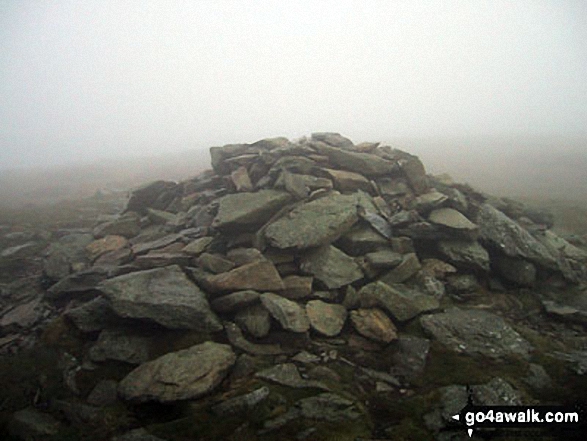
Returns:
<point x="163" y="295"/>
<point x="315" y="223"/>
<point x="248" y="210"/>
<point x="182" y="375"/>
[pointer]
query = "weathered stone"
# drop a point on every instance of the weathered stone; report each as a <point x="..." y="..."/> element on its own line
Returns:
<point x="297" y="287"/>
<point x="140" y="434"/>
<point x="155" y="195"/>
<point x="360" y="240"/>
<point x="158" y="259"/>
<point x="383" y="259"/>
<point x="255" y="320"/>
<point x="235" y="301"/>
<point x="215" y="263"/>
<point x="92" y="316"/>
<point x="326" y="318"/>
<point x="236" y="339"/>
<point x="156" y="244"/>
<point x="126" y="225"/>
<point x="314" y="223"/>
<point x="475" y="332"/>
<point x="109" y="243"/>
<point x="260" y="276"/>
<point x="287" y="374"/>
<point x="409" y="358"/>
<point x="76" y="284"/>
<point x="377" y="222"/>
<point x="517" y="270"/>
<point x="24" y="315"/>
<point x="374" y="324"/>
<point x="392" y="187"/>
<point x="241" y="180"/>
<point x="465" y="253"/>
<point x="462" y="283"/>
<point x="120" y="345"/>
<point x="437" y="268"/>
<point x="67" y="255"/>
<point x="241" y="404"/>
<point x="510" y="238"/>
<point x="333" y="139"/>
<point x="248" y="210"/>
<point x="451" y="218"/>
<point x="30" y="424"/>
<point x="363" y="163"/>
<point x="198" y="246"/>
<point x="163" y="295"/>
<point x="409" y="266"/>
<point x="345" y="181"/>
<point x="428" y="201"/>
<point x="104" y="393"/>
<point x="182" y="375"/>
<point x="331" y="266"/>
<point x="416" y="174"/>
<point x="402" y="302"/>
<point x="160" y="217"/>
<point x="290" y="315"/>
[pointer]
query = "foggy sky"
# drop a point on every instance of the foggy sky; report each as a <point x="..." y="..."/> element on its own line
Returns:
<point x="95" y="79"/>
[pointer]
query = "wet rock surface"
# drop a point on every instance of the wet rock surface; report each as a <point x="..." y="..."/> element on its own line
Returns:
<point x="310" y="289"/>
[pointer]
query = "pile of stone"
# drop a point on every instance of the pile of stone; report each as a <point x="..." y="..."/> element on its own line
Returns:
<point x="299" y="252"/>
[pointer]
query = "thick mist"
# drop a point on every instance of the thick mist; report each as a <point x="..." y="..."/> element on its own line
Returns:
<point x="471" y="87"/>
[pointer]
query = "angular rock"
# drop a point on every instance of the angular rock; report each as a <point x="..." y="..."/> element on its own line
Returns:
<point x="331" y="266"/>
<point x="333" y="139"/>
<point x="241" y="180"/>
<point x="104" y="245"/>
<point x="326" y="318"/>
<point x="374" y="324"/>
<point x="259" y="276"/>
<point x="67" y="255"/>
<point x="76" y="284"/>
<point x="416" y="173"/>
<point x="428" y="201"/>
<point x="451" y="218"/>
<point x="241" y="404"/>
<point x="363" y="163"/>
<point x="409" y="358"/>
<point x="345" y="181"/>
<point x="287" y="374"/>
<point x="297" y="287"/>
<point x="314" y="223"/>
<point x="255" y="320"/>
<point x="30" y="424"/>
<point x="92" y="316"/>
<point x="475" y="332"/>
<point x="437" y="268"/>
<point x="215" y="263"/>
<point x="198" y="246"/>
<point x="104" y="393"/>
<point x="235" y="301"/>
<point x="383" y="259"/>
<point x="182" y="375"/>
<point x="157" y="195"/>
<point x="163" y="295"/>
<point x="360" y="240"/>
<point x="516" y="270"/>
<point x="126" y="225"/>
<point x="248" y="210"/>
<point x="465" y="253"/>
<point x="290" y="315"/>
<point x="507" y="236"/>
<point x="120" y="345"/>
<point x="402" y="302"/>
<point x="409" y="266"/>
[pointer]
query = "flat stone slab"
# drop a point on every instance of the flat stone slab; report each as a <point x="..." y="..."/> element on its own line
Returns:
<point x="451" y="218"/>
<point x="331" y="266"/>
<point x="287" y="374"/>
<point x="290" y="315"/>
<point x="248" y="209"/>
<point x="315" y="223"/>
<point x="182" y="375"/>
<point x="465" y="253"/>
<point x="260" y="276"/>
<point x="374" y="324"/>
<point x="163" y="295"/>
<point x="475" y="332"/>
<point x="326" y="318"/>
<point x="363" y="163"/>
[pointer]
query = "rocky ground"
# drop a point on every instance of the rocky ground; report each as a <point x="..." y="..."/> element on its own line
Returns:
<point x="309" y="290"/>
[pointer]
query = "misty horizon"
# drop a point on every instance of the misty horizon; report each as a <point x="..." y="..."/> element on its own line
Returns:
<point x="83" y="81"/>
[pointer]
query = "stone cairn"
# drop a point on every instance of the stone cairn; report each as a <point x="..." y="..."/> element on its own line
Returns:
<point x="309" y="254"/>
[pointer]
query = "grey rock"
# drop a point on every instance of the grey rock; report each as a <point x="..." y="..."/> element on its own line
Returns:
<point x="289" y="314"/>
<point x="331" y="266"/>
<point x="67" y="255"/>
<point x="120" y="345"/>
<point x="241" y="404"/>
<point x="415" y="172"/>
<point x="259" y="276"/>
<point x="198" y="246"/>
<point x="428" y="201"/>
<point x="453" y="220"/>
<point x="360" y="240"/>
<point x="326" y="318"/>
<point x="373" y="324"/>
<point x="537" y="377"/>
<point x="104" y="393"/>
<point x="241" y="180"/>
<point x="182" y="375"/>
<point x="237" y="340"/>
<point x="402" y="302"/>
<point x="30" y="424"/>
<point x="297" y="287"/>
<point x="345" y="181"/>
<point x="215" y="263"/>
<point x="163" y="295"/>
<point x="462" y="283"/>
<point x="92" y="316"/>
<point x="465" y="253"/>
<point x="235" y="301"/>
<point x="156" y="195"/>
<point x="126" y="225"/>
<point x="516" y="270"/>
<point x="22" y="316"/>
<point x="383" y="259"/>
<point x="140" y="434"/>
<point x="248" y="210"/>
<point x="333" y="139"/>
<point x="475" y="332"/>
<point x="499" y="231"/>
<point x="409" y="357"/>
<point x="363" y="163"/>
<point x="76" y="284"/>
<point x="255" y="320"/>
<point x="144" y="247"/>
<point x="409" y="266"/>
<point x="287" y="374"/>
<point x="576" y="359"/>
<point x="314" y="223"/>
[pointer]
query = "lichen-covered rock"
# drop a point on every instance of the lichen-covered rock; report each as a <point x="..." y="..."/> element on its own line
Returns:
<point x="374" y="324"/>
<point x="326" y="318"/>
<point x="289" y="314"/>
<point x="182" y="375"/>
<point x="331" y="266"/>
